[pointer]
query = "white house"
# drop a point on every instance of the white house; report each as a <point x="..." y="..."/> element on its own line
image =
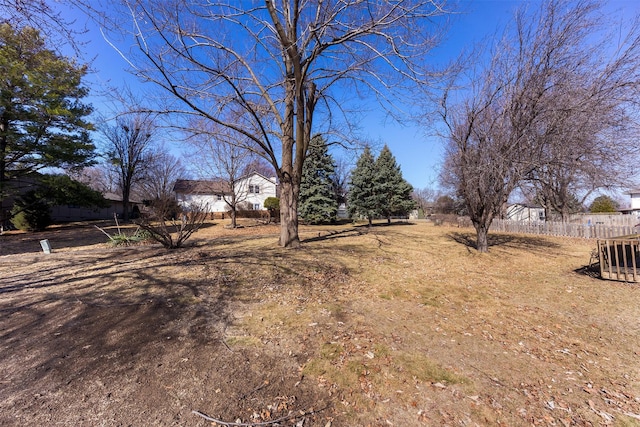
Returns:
<point x="524" y="212"/>
<point x="635" y="203"/>
<point x="251" y="192"/>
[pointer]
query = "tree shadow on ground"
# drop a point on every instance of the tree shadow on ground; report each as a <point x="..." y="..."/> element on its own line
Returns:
<point x="469" y="240"/>
<point x="66" y="236"/>
<point x="356" y="230"/>
<point x="87" y="332"/>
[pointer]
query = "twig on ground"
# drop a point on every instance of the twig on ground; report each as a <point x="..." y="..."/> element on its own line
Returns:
<point x="495" y="380"/>
<point x="226" y="345"/>
<point x="260" y="387"/>
<point x="264" y="423"/>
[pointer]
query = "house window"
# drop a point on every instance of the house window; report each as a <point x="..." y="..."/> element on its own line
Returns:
<point x="254" y="189"/>
<point x="256" y="206"/>
<point x="219" y="196"/>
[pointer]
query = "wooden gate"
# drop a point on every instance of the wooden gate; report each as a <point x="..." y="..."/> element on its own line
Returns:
<point x="620" y="258"/>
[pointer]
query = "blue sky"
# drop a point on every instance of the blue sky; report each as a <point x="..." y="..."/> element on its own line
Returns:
<point x="415" y="147"/>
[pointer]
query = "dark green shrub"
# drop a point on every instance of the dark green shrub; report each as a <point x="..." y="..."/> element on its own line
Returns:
<point x="31" y="213"/>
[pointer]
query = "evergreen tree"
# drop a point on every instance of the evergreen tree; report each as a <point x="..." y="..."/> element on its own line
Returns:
<point x="393" y="191"/>
<point x="604" y="204"/>
<point x="31" y="210"/>
<point x="317" y="198"/>
<point x="363" y="197"/>
<point x="42" y="117"/>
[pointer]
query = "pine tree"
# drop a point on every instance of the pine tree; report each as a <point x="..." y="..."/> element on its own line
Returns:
<point x="42" y="117"/>
<point x="317" y="199"/>
<point x="363" y="197"/>
<point x="393" y="191"/>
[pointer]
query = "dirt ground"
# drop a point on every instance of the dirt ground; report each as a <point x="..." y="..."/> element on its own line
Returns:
<point x="402" y="325"/>
<point x="83" y="344"/>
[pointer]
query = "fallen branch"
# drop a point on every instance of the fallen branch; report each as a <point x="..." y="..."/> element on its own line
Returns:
<point x="260" y="387"/>
<point x="264" y="423"/>
<point x="495" y="380"/>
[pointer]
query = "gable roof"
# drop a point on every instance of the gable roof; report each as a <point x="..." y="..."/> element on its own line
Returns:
<point x="252" y="173"/>
<point x="201" y="186"/>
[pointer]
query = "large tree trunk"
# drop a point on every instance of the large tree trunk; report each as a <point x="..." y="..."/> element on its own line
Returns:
<point x="289" y="214"/>
<point x="125" y="205"/>
<point x="482" y="241"/>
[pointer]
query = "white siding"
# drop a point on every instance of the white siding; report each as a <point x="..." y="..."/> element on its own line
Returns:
<point x="210" y="201"/>
<point x="635" y="201"/>
<point x="246" y="189"/>
<point x="265" y="188"/>
<point x="524" y="213"/>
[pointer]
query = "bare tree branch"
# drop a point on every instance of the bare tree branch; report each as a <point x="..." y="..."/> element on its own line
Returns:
<point x="260" y="69"/>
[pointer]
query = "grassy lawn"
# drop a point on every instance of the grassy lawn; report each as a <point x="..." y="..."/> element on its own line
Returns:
<point x="397" y="325"/>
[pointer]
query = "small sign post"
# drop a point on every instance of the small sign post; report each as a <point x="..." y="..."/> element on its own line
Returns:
<point x="46" y="247"/>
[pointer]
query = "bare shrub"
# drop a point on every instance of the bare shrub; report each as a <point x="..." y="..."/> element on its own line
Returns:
<point x="172" y="230"/>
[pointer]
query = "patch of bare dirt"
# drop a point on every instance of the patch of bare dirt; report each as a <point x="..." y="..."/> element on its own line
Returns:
<point x="93" y="335"/>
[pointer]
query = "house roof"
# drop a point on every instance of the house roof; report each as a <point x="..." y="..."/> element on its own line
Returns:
<point x="272" y="179"/>
<point x="113" y="197"/>
<point x="525" y="205"/>
<point x="201" y="186"/>
<point x="636" y="191"/>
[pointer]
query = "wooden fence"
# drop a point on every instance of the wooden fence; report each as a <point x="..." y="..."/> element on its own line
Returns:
<point x="620" y="258"/>
<point x="551" y="228"/>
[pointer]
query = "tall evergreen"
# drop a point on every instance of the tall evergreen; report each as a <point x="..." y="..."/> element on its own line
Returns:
<point x="43" y="121"/>
<point x="394" y="191"/>
<point x="363" y="197"/>
<point x="317" y="198"/>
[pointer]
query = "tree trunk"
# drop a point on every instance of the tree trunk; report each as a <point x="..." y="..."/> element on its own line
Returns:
<point x="289" y="214"/>
<point x="125" y="205"/>
<point x="234" y="214"/>
<point x="4" y="126"/>
<point x="482" y="241"/>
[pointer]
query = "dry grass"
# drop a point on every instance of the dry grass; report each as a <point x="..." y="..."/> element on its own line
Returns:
<point x="401" y="325"/>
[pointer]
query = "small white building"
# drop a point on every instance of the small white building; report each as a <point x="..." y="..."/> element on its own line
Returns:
<point x="251" y="191"/>
<point x="634" y="209"/>
<point x="524" y="212"/>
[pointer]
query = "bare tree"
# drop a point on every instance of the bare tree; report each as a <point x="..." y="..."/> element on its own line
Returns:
<point x="100" y="177"/>
<point x="485" y="156"/>
<point x="46" y="18"/>
<point x="593" y="144"/>
<point x="128" y="144"/>
<point x="340" y="180"/>
<point x="274" y="63"/>
<point x="172" y="232"/>
<point x="542" y="109"/>
<point x="219" y="155"/>
<point x="424" y="198"/>
<point x="161" y="173"/>
<point x="259" y="165"/>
